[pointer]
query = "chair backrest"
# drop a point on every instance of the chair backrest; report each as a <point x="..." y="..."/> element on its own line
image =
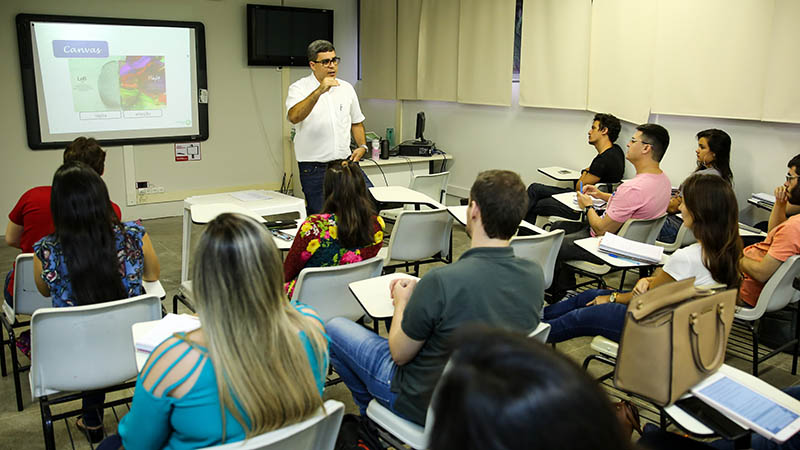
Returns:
<point x="541" y="333"/>
<point x="326" y="288"/>
<point x="778" y="291"/>
<point x="27" y="298"/>
<point x="420" y="234"/>
<point x="316" y="433"/>
<point x="682" y="239"/>
<point x="541" y="248"/>
<point x="433" y="185"/>
<point x="643" y="230"/>
<point x="88" y="347"/>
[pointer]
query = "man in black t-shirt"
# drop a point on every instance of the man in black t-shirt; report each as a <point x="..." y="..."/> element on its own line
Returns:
<point x="487" y="285"/>
<point x="607" y="167"/>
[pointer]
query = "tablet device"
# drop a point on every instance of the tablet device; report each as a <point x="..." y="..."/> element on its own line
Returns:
<point x="711" y="418"/>
<point x="762" y="414"/>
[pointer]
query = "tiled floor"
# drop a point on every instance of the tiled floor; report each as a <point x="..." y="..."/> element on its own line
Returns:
<point x="24" y="430"/>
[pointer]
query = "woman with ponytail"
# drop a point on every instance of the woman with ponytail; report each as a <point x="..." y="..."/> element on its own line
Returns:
<point x="710" y="210"/>
<point x="91" y="258"/>
<point x="346" y="231"/>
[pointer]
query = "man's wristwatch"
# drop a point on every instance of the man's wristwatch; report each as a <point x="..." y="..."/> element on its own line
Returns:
<point x="613" y="297"/>
<point x="364" y="146"/>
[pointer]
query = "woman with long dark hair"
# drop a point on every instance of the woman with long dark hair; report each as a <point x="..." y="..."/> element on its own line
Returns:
<point x="346" y="231"/>
<point x="92" y="257"/>
<point x="710" y="210"/>
<point x="713" y="158"/>
<point x="506" y="392"/>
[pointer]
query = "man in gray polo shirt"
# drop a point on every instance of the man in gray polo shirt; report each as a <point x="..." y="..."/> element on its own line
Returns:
<point x="487" y="285"/>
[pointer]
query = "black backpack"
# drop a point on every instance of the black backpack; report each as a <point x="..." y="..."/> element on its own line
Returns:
<point x="357" y="433"/>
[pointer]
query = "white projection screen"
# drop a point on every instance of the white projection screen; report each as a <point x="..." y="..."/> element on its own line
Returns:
<point x="121" y="81"/>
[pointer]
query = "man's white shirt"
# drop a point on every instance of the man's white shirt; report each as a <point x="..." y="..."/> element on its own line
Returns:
<point x="324" y="135"/>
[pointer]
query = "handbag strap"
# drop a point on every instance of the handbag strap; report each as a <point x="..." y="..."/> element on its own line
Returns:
<point x="694" y="336"/>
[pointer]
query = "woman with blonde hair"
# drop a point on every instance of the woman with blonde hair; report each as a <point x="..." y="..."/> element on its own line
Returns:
<point x="257" y="363"/>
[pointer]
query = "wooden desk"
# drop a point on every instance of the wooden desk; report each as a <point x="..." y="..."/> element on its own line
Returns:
<point x="399" y="170"/>
<point x="275" y="203"/>
<point x="560" y="173"/>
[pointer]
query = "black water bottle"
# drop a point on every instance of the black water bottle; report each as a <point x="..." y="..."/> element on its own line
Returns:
<point x="384" y="149"/>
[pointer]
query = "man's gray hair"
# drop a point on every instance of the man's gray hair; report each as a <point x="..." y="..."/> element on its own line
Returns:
<point x="318" y="46"/>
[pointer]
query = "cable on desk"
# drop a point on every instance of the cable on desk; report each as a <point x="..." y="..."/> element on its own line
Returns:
<point x="379" y="168"/>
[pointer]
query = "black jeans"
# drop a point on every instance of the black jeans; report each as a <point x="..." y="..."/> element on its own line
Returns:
<point x="541" y="203"/>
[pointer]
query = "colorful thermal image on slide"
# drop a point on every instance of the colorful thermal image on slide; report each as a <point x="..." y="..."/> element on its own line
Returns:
<point x="118" y="83"/>
<point x="142" y="84"/>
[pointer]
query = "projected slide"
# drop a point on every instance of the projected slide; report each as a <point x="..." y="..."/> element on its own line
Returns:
<point x="114" y="81"/>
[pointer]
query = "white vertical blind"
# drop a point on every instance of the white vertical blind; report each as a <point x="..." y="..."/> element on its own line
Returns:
<point x="408" y="19"/>
<point x="781" y="95"/>
<point x="621" y="58"/>
<point x="710" y="57"/>
<point x="437" y="63"/>
<point x="554" y="60"/>
<point x="379" y="49"/>
<point x="486" y="51"/>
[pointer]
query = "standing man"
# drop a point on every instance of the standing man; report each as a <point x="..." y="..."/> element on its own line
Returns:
<point x="607" y="166"/>
<point x="324" y="110"/>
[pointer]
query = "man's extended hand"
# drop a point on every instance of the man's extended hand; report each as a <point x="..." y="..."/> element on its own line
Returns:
<point x="358" y="154"/>
<point x="327" y="83"/>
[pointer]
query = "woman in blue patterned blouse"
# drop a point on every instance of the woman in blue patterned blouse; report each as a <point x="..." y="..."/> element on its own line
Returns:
<point x="91" y="257"/>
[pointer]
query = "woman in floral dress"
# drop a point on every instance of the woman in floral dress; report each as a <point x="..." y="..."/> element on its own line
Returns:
<point x="347" y="230"/>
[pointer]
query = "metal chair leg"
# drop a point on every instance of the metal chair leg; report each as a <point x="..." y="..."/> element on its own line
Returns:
<point x="47" y="424"/>
<point x="3" y="344"/>
<point x="15" y="369"/>
<point x="754" y="332"/>
<point x="796" y="314"/>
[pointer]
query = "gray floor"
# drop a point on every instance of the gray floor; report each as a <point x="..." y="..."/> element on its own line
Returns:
<point x="24" y="429"/>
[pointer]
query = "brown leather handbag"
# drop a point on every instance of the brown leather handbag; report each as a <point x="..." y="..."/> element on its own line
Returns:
<point x="674" y="336"/>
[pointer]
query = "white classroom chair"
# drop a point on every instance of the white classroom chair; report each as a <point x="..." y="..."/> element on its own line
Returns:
<point x="326" y="288"/>
<point x="419" y="237"/>
<point x="318" y="432"/>
<point x="27" y="299"/>
<point x="84" y="348"/>
<point x="540" y="248"/>
<point x="433" y="185"/>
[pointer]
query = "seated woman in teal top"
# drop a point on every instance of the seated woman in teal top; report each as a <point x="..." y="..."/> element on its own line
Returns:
<point x="272" y="354"/>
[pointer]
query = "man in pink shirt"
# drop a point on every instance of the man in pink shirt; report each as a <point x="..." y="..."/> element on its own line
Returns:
<point x="644" y="197"/>
<point x="759" y="261"/>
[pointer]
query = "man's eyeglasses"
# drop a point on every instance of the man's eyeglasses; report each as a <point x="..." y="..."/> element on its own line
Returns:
<point x="327" y="62"/>
<point x="791" y="177"/>
<point x="633" y="141"/>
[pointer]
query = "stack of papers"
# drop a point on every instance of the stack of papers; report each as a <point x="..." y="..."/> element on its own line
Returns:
<point x="166" y="327"/>
<point x="638" y="251"/>
<point x="765" y="198"/>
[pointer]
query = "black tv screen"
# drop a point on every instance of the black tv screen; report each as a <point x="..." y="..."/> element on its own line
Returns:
<point x="122" y="81"/>
<point x="279" y="35"/>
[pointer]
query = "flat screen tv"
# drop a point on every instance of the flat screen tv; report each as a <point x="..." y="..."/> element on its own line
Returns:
<point x="279" y="35"/>
<point x="121" y="81"/>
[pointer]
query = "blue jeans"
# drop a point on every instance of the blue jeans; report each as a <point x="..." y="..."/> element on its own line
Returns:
<point x="362" y="359"/>
<point x="312" y="177"/>
<point x="669" y="232"/>
<point x="571" y="317"/>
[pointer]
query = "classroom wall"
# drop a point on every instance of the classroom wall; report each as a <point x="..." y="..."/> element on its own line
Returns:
<point x="245" y="148"/>
<point x="523" y="139"/>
